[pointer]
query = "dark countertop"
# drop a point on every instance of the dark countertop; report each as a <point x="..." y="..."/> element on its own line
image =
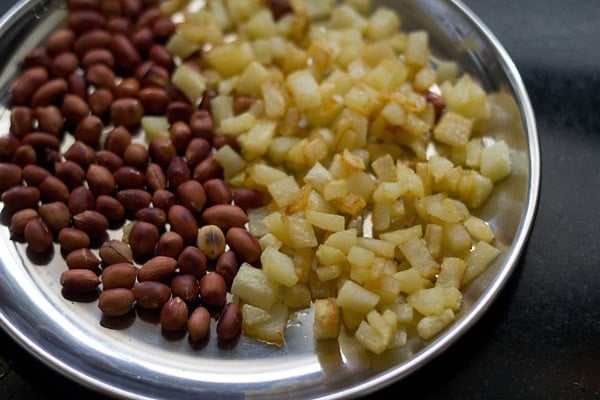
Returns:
<point x="541" y="338"/>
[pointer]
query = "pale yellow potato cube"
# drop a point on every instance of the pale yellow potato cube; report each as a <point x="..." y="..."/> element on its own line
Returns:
<point x="399" y="339"/>
<point x="275" y="103"/>
<point x="448" y="210"/>
<point x="299" y="201"/>
<point x="283" y="191"/>
<point x="328" y="255"/>
<point x="370" y="338"/>
<point x="411" y="281"/>
<point x="439" y="166"/>
<point x="274" y="224"/>
<point x="430" y="326"/>
<point x="297" y="296"/>
<point x="404" y="312"/>
<point x="434" y="300"/>
<point x="261" y="24"/>
<point x="446" y="71"/>
<point x="256" y="224"/>
<point x="393" y="113"/>
<point x="473" y="153"/>
<point x="318" y="177"/>
<point x="230" y="160"/>
<point x="381" y="215"/>
<point x="451" y="272"/>
<point x="387" y="287"/>
<point x="417" y="48"/>
<point x="273" y="330"/>
<point x="382" y="23"/>
<point x="453" y="129"/>
<point x="456" y="240"/>
<point x="317" y="203"/>
<point x="402" y="235"/>
<point x="351" y="203"/>
<point x="251" y="79"/>
<point x="387" y="192"/>
<point x="179" y="46"/>
<point x="351" y="319"/>
<point x="304" y="89"/>
<point x="278" y="267"/>
<point x="495" y="161"/>
<point x="377" y="52"/>
<point x="256" y="142"/>
<point x="363" y="99"/>
<point x="252" y="315"/>
<point x="474" y="189"/>
<point x="418" y="255"/>
<point x="362" y="184"/>
<point x="252" y="286"/>
<point x="335" y="189"/>
<point x="155" y="127"/>
<point x="466" y="97"/>
<point x="384" y="168"/>
<point x="433" y="239"/>
<point x="424" y="79"/>
<point x="321" y="289"/>
<point x="300" y="232"/>
<point x="327" y="319"/>
<point x="381" y="248"/>
<point x="384" y="326"/>
<point x="360" y="257"/>
<point x="221" y="107"/>
<point x="482" y="255"/>
<point x="345" y="16"/>
<point x="190" y="82"/>
<point x="270" y="240"/>
<point x="479" y="229"/>
<point x="313" y="9"/>
<point x="328" y="222"/>
<point x="314" y="151"/>
<point x="320" y="54"/>
<point x="356" y="298"/>
<point x="303" y="262"/>
<point x="329" y="272"/>
<point x="387" y="76"/>
<point x="280" y="147"/>
<point x="230" y="58"/>
<point x="343" y="240"/>
<point x="238" y="124"/>
<point x="409" y="180"/>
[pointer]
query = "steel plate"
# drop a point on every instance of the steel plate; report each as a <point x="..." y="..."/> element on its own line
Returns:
<point x="130" y="358"/>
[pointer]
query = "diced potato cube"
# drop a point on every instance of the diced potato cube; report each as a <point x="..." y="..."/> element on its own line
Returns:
<point x="278" y="267"/>
<point x="181" y="47"/>
<point x="300" y="201"/>
<point x="430" y="326"/>
<point x="351" y="203"/>
<point x="387" y="287"/>
<point x="270" y="331"/>
<point x="155" y="127"/>
<point x="363" y="99"/>
<point x="328" y="222"/>
<point x="402" y="235"/>
<point x="411" y="281"/>
<point x="256" y="142"/>
<point x="328" y="255"/>
<point x="433" y="239"/>
<point x="345" y="16"/>
<point x="230" y="58"/>
<point x="251" y="79"/>
<point x="439" y="166"/>
<point x="478" y="260"/>
<point x="315" y="150"/>
<point x="252" y="286"/>
<point x="399" y="339"/>
<point x="335" y="189"/>
<point x="351" y="319"/>
<point x="417" y="254"/>
<point x="270" y="240"/>
<point x="409" y="180"/>
<point x="362" y="184"/>
<point x="326" y="319"/>
<point x="360" y="257"/>
<point x="495" y="161"/>
<point x="318" y="176"/>
<point x="381" y="248"/>
<point x="370" y="338"/>
<point x="473" y="153"/>
<point x="304" y="89"/>
<point x="479" y="229"/>
<point x="256" y="224"/>
<point x="252" y="315"/>
<point x="393" y="113"/>
<point x="230" y="160"/>
<point x="475" y="189"/>
<point x="343" y="240"/>
<point x="190" y="82"/>
<point x="466" y="97"/>
<point x="433" y="301"/>
<point x="404" y="312"/>
<point x="275" y="225"/>
<point x="275" y="104"/>
<point x="283" y="191"/>
<point x="300" y="232"/>
<point x="261" y="24"/>
<point x="356" y="298"/>
<point x="385" y="169"/>
<point x="417" y="48"/>
<point x="451" y="272"/>
<point x="382" y="23"/>
<point x="297" y="296"/>
<point x="329" y="272"/>
<point x="238" y="124"/>
<point x="456" y="240"/>
<point x="381" y="215"/>
<point x="313" y="9"/>
<point x="280" y="147"/>
<point x="453" y="129"/>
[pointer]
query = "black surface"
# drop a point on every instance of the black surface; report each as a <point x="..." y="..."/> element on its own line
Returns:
<point x="541" y="338"/>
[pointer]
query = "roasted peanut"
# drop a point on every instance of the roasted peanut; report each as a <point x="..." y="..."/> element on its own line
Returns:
<point x="227" y="266"/>
<point x="143" y="238"/>
<point x="207" y="169"/>
<point x="53" y="189"/>
<point x="8" y="145"/>
<point x="100" y="76"/>
<point x="177" y="172"/>
<point x="134" y="199"/>
<point x="119" y="275"/>
<point x="126" y="55"/>
<point x="213" y="290"/>
<point x="77" y="85"/>
<point x="225" y="216"/>
<point x="248" y="198"/>
<point x="38" y="236"/>
<point x="180" y="135"/>
<point x="80" y="153"/>
<point x="89" y="130"/>
<point x="192" y="195"/>
<point x="82" y="258"/>
<point x="178" y="111"/>
<point x="159" y="268"/>
<point x="64" y="65"/>
<point x="126" y="111"/>
<point x="50" y="120"/>
<point x="185" y="286"/>
<point x="24" y="87"/>
<point x="70" y="173"/>
<point x="56" y="215"/>
<point x="116" y="302"/>
<point x="100" y="180"/>
<point x="128" y="177"/>
<point x="161" y="56"/>
<point x="201" y="124"/>
<point x="170" y="244"/>
<point x="128" y="87"/>
<point x="41" y="141"/>
<point x="192" y="261"/>
<point x="217" y="191"/>
<point x="115" y="252"/>
<point x="174" y="314"/>
<point x="93" y="39"/>
<point x="32" y="174"/>
<point x="153" y="215"/>
<point x="91" y="222"/>
<point x="151" y="294"/>
<point x="21" y="121"/>
<point x="155" y="177"/>
<point x="110" y="207"/>
<point x="97" y="56"/>
<point x="81" y="199"/>
<point x="142" y="39"/>
<point x="51" y="92"/>
<point x="154" y="100"/>
<point x="109" y="160"/>
<point x="10" y="175"/>
<point x="84" y="20"/>
<point x="117" y="140"/>
<point x="211" y="241"/>
<point x="229" y="325"/>
<point x="72" y="238"/>
<point x="161" y="151"/>
<point x="100" y="101"/>
<point x="20" y="197"/>
<point x="79" y="280"/>
<point x="59" y="41"/>
<point x="19" y="220"/>
<point x="24" y="155"/>
<point x="118" y="25"/>
<point x="183" y="222"/>
<point x="198" y="324"/>
<point x="74" y="109"/>
<point x="163" y="199"/>
<point x="136" y="155"/>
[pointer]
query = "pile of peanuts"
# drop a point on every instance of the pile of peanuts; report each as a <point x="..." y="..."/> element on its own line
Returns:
<point x="91" y="84"/>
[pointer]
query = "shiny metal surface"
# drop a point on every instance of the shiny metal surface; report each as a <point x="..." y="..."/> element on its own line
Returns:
<point x="130" y="358"/>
